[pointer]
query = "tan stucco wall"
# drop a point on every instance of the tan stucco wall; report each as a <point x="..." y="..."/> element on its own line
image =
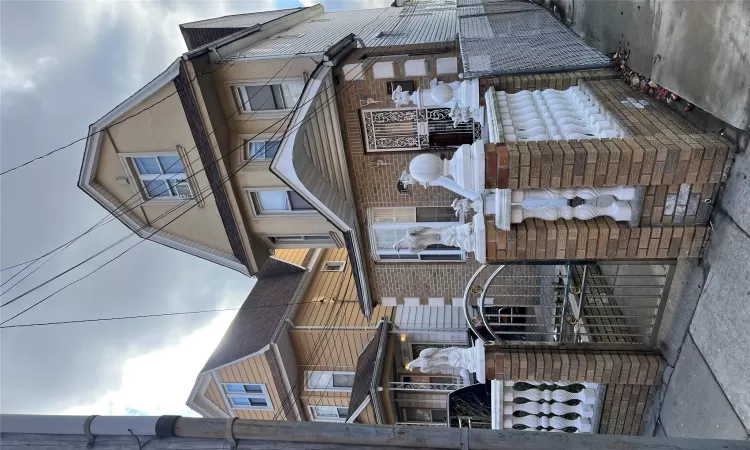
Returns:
<point x="161" y="129"/>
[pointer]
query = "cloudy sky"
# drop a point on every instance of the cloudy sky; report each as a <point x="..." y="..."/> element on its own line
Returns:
<point x="62" y="66"/>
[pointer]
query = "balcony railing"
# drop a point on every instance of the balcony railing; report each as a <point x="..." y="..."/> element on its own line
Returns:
<point x="425" y="387"/>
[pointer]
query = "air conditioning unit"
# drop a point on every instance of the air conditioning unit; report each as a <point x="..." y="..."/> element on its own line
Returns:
<point x="183" y="190"/>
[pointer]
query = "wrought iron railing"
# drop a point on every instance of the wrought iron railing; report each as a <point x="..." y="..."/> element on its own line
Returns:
<point x="598" y="303"/>
<point x="425" y="387"/>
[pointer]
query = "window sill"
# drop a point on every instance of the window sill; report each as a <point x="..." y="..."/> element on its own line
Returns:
<point x="274" y="114"/>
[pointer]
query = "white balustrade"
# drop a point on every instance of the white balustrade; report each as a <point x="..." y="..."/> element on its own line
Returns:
<point x="544" y="406"/>
<point x="546" y="115"/>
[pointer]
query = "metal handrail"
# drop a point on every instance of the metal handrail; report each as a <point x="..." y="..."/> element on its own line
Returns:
<point x="485" y="289"/>
<point x="467" y="291"/>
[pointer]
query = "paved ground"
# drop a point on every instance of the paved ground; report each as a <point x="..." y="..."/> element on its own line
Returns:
<point x="705" y="334"/>
<point x="705" y="392"/>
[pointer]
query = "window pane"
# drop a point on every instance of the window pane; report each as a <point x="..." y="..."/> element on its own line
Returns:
<point x="261" y="98"/>
<point x="233" y="388"/>
<point x="157" y="188"/>
<point x="257" y="401"/>
<point x="278" y="96"/>
<point x="343" y="412"/>
<point x="439" y="257"/>
<point x="241" y="401"/>
<point x="271" y="148"/>
<point x="292" y="93"/>
<point x="298" y="203"/>
<point x="439" y="415"/>
<point x="325" y="411"/>
<point x="253" y="389"/>
<point x="272" y="200"/>
<point x="317" y="237"/>
<point x="436" y="214"/>
<point x="343" y="380"/>
<point x="400" y="256"/>
<point x="147" y="166"/>
<point x="171" y="164"/>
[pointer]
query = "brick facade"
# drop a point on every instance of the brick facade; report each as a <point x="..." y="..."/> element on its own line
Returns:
<point x="631" y="380"/>
<point x="375" y="184"/>
<point x="680" y="167"/>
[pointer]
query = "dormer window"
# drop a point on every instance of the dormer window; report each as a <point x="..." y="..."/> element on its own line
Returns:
<point x="160" y="176"/>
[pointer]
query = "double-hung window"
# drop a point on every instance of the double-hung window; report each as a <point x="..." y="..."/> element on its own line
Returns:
<point x="389" y="225"/>
<point x="264" y="96"/>
<point x="328" y="413"/>
<point x="261" y="149"/>
<point x="329" y="381"/>
<point x="248" y="396"/>
<point x="284" y="202"/>
<point x="160" y="176"/>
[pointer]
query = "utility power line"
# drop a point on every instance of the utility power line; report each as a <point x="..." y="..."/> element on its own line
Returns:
<point x="144" y="316"/>
<point x="52" y="152"/>
<point x="316" y="112"/>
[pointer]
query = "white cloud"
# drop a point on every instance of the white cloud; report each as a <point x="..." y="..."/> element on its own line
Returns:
<point x="159" y="382"/>
<point x="17" y="77"/>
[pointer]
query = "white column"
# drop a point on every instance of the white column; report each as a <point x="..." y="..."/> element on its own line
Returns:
<point x="619" y="210"/>
<point x="586" y="193"/>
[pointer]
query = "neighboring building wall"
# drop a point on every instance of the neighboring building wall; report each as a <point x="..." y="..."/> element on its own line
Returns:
<point x="631" y="380"/>
<point x="298" y="256"/>
<point x="376" y="186"/>
<point x="680" y="167"/>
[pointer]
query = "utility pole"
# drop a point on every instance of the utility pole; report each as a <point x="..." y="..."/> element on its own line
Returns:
<point x="186" y="433"/>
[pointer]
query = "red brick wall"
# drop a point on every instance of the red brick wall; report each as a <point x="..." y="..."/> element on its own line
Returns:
<point x="631" y="380"/>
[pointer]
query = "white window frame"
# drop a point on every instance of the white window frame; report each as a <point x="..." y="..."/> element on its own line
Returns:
<point x="311" y="410"/>
<point x="139" y="180"/>
<point x="376" y="252"/>
<point x="329" y="387"/>
<point x="264" y="396"/>
<point x="246" y="139"/>
<point x="244" y="110"/>
<point x="258" y="213"/>
<point x="300" y="240"/>
<point x="334" y="266"/>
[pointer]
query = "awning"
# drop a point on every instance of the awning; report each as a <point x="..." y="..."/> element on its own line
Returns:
<point x="312" y="162"/>
<point x="368" y="374"/>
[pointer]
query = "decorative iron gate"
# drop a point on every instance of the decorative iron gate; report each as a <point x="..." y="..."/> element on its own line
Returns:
<point x="600" y="304"/>
<point x="389" y="130"/>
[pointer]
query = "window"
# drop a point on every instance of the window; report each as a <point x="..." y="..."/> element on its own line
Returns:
<point x="160" y="176"/>
<point x="279" y="202"/>
<point x="424" y="415"/>
<point x="334" y="266"/>
<point x="329" y="413"/>
<point x="262" y="96"/>
<point x="302" y="241"/>
<point x="329" y="381"/>
<point x="261" y="149"/>
<point x="248" y="396"/>
<point x="389" y="225"/>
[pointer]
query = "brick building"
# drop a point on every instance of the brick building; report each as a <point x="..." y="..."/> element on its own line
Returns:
<point x="315" y="129"/>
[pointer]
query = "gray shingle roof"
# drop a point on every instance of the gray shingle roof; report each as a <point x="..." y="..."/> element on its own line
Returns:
<point x="202" y="32"/>
<point x="255" y="323"/>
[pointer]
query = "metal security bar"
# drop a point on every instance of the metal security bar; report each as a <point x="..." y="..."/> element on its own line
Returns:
<point x="587" y="304"/>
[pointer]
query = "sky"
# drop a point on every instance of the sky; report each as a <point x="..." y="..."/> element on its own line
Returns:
<point x="62" y="66"/>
